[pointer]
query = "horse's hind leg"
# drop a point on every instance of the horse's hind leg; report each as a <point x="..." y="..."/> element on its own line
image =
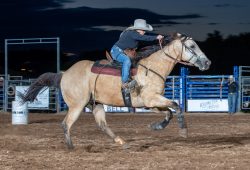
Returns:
<point x="100" y="117"/>
<point x="68" y="121"/>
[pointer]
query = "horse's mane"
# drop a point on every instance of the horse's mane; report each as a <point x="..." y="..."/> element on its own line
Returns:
<point x="148" y="50"/>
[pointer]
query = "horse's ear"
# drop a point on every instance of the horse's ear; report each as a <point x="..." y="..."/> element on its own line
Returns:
<point x="179" y="35"/>
<point x="183" y="36"/>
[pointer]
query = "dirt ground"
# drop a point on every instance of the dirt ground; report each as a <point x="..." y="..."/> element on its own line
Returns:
<point x="216" y="141"/>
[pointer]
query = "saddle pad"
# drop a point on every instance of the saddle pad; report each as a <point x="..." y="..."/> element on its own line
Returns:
<point x="109" y="68"/>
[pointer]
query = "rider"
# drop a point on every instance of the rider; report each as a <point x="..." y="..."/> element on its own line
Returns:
<point x="128" y="41"/>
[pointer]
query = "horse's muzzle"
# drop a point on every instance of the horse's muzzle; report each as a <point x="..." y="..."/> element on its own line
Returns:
<point x="204" y="64"/>
<point x="207" y="64"/>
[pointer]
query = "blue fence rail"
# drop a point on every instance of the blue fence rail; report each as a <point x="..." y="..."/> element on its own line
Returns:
<point x="172" y="88"/>
<point x="206" y="93"/>
<point x="206" y="87"/>
<point x="199" y="93"/>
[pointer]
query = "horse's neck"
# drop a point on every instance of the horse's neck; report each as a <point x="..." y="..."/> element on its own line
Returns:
<point x="160" y="62"/>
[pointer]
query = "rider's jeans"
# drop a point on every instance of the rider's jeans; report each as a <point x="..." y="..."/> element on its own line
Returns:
<point x="118" y="55"/>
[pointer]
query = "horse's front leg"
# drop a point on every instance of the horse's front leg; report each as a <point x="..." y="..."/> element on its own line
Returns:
<point x="100" y="117"/>
<point x="156" y="100"/>
<point x="165" y="122"/>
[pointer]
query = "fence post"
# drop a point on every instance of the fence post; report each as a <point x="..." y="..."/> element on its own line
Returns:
<point x="237" y="78"/>
<point x="184" y="72"/>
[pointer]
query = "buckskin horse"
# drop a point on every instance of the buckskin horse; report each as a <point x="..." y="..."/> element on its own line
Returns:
<point x="79" y="85"/>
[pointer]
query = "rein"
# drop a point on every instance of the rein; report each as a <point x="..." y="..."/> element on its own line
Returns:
<point x="175" y="59"/>
<point x="148" y="69"/>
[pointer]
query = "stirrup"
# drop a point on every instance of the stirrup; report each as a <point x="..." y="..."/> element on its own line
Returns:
<point x="129" y="85"/>
<point x="126" y="97"/>
<point x="132" y="84"/>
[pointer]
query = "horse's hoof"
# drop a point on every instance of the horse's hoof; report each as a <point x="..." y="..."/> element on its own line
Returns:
<point x="125" y="146"/>
<point x="70" y="147"/>
<point x="156" y="126"/>
<point x="119" y="140"/>
<point x="68" y="142"/>
<point x="183" y="132"/>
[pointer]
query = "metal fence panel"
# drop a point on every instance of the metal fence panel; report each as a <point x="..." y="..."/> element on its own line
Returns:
<point x="1" y="92"/>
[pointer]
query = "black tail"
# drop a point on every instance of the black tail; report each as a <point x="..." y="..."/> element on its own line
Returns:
<point x="44" y="80"/>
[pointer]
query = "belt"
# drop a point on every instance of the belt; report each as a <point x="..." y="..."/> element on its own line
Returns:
<point x="132" y="49"/>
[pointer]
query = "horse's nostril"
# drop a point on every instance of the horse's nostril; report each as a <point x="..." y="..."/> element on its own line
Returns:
<point x="208" y="63"/>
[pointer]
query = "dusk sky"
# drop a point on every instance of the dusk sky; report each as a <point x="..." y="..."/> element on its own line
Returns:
<point x="96" y="24"/>
<point x="227" y="16"/>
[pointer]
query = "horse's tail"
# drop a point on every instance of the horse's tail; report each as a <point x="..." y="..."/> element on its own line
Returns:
<point x="44" y="80"/>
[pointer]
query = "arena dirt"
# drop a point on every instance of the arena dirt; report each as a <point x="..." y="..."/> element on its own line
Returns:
<point x="216" y="141"/>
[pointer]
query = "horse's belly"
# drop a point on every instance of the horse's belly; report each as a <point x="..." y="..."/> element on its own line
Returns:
<point x="108" y="91"/>
<point x="108" y="97"/>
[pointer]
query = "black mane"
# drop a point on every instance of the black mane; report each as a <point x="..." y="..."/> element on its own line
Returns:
<point x="148" y="50"/>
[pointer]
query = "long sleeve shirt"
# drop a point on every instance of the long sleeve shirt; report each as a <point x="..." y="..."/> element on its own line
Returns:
<point x="232" y="87"/>
<point x="129" y="39"/>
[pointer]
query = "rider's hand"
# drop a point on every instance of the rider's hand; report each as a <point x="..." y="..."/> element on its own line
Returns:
<point x="159" y="37"/>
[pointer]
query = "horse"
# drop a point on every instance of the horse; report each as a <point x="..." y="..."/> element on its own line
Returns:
<point x="79" y="86"/>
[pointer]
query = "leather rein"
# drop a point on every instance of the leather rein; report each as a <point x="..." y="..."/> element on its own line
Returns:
<point x="148" y="69"/>
<point x="177" y="60"/>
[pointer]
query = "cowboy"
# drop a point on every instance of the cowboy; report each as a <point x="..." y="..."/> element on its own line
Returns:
<point x="232" y="95"/>
<point x="124" y="49"/>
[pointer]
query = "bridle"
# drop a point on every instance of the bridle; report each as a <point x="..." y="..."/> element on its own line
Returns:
<point x="178" y="59"/>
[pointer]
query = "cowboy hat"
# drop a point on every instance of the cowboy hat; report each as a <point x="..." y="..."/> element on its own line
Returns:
<point x="141" y="24"/>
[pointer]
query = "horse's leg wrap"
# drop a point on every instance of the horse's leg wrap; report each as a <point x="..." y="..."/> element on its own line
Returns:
<point x="165" y="122"/>
<point x="181" y="121"/>
<point x="67" y="136"/>
<point x="160" y="125"/>
<point x="183" y="132"/>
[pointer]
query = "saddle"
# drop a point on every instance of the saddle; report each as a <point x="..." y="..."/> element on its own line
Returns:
<point x="110" y="68"/>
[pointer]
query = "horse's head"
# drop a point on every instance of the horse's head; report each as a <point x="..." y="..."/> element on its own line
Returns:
<point x="190" y="52"/>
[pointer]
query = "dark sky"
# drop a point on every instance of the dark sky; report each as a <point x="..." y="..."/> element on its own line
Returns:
<point x="95" y="24"/>
<point x="85" y="25"/>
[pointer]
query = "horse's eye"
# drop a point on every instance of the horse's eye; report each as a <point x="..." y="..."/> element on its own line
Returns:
<point x="192" y="46"/>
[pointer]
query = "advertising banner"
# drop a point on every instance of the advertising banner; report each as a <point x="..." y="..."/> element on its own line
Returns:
<point x="41" y="101"/>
